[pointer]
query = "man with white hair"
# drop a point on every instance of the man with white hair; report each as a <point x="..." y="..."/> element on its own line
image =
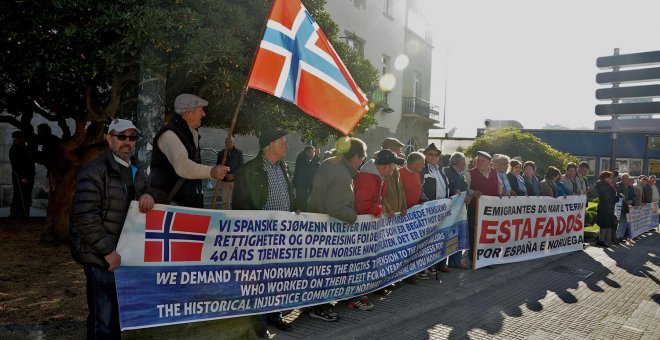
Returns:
<point x="176" y="165"/>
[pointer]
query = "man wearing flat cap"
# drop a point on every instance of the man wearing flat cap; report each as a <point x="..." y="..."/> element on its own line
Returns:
<point x="176" y="164"/>
<point x="434" y="181"/>
<point x="264" y="184"/>
<point x="395" y="197"/>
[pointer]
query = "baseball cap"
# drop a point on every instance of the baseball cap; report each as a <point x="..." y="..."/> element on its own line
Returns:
<point x="187" y="101"/>
<point x="121" y="125"/>
<point x="385" y="157"/>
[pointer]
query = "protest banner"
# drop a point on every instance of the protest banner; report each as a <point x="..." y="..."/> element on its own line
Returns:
<point x="523" y="228"/>
<point x="182" y="265"/>
<point x="642" y="219"/>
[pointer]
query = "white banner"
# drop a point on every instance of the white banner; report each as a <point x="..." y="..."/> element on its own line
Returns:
<point x="642" y="219"/>
<point x="523" y="228"/>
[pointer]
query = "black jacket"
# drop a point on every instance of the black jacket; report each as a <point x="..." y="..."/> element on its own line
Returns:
<point x="99" y="209"/>
<point x="429" y="183"/>
<point x="163" y="177"/>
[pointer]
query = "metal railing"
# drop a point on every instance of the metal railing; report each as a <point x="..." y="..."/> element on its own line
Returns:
<point x="421" y="107"/>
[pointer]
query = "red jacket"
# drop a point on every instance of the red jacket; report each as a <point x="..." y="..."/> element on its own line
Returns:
<point x="369" y="190"/>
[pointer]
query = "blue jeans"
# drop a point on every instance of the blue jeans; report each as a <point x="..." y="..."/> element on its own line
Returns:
<point x="103" y="317"/>
<point x="622" y="228"/>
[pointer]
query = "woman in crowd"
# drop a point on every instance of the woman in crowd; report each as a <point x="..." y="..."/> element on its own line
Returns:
<point x="562" y="190"/>
<point x="571" y="180"/>
<point x="607" y="196"/>
<point x="548" y="186"/>
<point x="515" y="179"/>
<point x="531" y="181"/>
<point x="501" y="164"/>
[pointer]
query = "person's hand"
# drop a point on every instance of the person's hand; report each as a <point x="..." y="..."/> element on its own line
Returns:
<point x="468" y="199"/>
<point x="404" y="212"/>
<point x="25" y="181"/>
<point x="219" y="171"/>
<point x="377" y="210"/>
<point x="477" y="194"/>
<point x="146" y="203"/>
<point x="114" y="260"/>
<point x="512" y="193"/>
<point x="229" y="177"/>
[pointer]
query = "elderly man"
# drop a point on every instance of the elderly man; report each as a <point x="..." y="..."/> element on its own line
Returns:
<point x="234" y="161"/>
<point x="332" y="188"/>
<point x="457" y="185"/>
<point x="370" y="187"/>
<point x="104" y="190"/>
<point x="434" y="181"/>
<point x="482" y="180"/>
<point x="332" y="194"/>
<point x="501" y="164"/>
<point x="395" y="197"/>
<point x="264" y="184"/>
<point x="22" y="176"/>
<point x="412" y="179"/>
<point x="176" y="165"/>
<point x="625" y="188"/>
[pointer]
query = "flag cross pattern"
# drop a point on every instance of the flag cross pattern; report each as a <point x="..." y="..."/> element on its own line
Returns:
<point x="164" y="237"/>
<point x="296" y="62"/>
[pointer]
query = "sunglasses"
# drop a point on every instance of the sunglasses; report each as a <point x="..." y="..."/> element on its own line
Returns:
<point x="123" y="137"/>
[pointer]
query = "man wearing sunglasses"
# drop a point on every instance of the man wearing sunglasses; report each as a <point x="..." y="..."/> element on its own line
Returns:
<point x="104" y="190"/>
<point x="176" y="164"/>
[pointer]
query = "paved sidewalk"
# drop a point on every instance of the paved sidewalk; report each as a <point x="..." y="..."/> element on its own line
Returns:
<point x="414" y="301"/>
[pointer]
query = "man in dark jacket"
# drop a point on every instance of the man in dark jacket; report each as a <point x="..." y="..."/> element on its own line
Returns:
<point x="263" y="184"/>
<point x="104" y="190"/>
<point x="234" y="161"/>
<point x="306" y="164"/>
<point x="176" y="165"/>
<point x="22" y="176"/>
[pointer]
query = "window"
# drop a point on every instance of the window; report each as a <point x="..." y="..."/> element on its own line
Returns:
<point x="385" y="59"/>
<point x="388" y="8"/>
<point x="417" y="85"/>
<point x="355" y="42"/>
<point x="632" y="166"/>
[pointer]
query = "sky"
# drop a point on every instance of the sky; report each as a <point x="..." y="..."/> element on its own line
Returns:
<point x="530" y="61"/>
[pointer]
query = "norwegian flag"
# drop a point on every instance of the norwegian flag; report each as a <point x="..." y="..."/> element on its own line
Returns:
<point x="296" y="62"/>
<point x="172" y="237"/>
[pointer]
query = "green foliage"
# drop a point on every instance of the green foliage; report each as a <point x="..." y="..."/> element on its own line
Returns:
<point x="515" y="143"/>
<point x="590" y="218"/>
<point x="82" y="59"/>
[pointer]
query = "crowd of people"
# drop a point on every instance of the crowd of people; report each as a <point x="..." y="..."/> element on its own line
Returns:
<point x="344" y="182"/>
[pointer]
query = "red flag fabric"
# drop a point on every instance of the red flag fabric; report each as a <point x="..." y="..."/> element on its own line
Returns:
<point x="296" y="62"/>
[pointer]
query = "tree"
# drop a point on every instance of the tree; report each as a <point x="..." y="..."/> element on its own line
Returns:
<point x="81" y="60"/>
<point x="515" y="143"/>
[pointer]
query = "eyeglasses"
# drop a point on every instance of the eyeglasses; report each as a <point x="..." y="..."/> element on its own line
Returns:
<point x="433" y="154"/>
<point x="123" y="137"/>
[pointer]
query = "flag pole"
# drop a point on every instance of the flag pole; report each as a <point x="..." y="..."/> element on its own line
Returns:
<point x="244" y="91"/>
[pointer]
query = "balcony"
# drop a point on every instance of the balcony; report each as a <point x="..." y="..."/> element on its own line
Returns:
<point x="421" y="109"/>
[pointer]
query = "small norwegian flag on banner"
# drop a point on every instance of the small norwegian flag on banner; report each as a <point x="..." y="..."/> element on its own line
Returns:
<point x="173" y="237"/>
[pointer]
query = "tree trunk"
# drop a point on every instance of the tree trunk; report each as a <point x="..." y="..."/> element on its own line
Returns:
<point x="60" y="202"/>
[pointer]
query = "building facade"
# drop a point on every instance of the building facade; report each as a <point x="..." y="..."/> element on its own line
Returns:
<point x="396" y="38"/>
